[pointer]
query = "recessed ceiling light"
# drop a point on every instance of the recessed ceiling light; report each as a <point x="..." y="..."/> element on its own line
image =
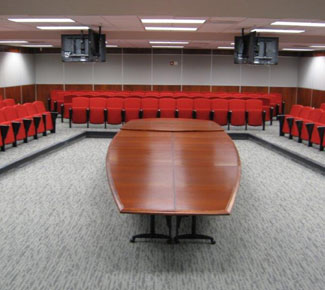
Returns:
<point x="31" y="20"/>
<point x="226" y="47"/>
<point x="168" y="42"/>
<point x="294" y="23"/>
<point x="317" y="46"/>
<point x="167" y="46"/>
<point x="297" y="49"/>
<point x="267" y="30"/>
<point x="37" y="45"/>
<point x="183" y="21"/>
<point x="111" y="45"/>
<point x="232" y="43"/>
<point x="171" y="28"/>
<point x="13" y="41"/>
<point x="63" y="27"/>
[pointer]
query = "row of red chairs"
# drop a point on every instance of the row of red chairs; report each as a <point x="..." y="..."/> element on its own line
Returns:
<point x="19" y="122"/>
<point x="7" y="102"/>
<point x="65" y="97"/>
<point x="306" y="123"/>
<point x="117" y="110"/>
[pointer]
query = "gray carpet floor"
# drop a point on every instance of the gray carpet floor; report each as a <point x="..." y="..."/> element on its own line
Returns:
<point x="60" y="229"/>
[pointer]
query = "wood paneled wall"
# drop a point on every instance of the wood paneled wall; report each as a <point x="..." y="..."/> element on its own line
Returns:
<point x="28" y="93"/>
<point x="310" y="97"/>
<point x="44" y="91"/>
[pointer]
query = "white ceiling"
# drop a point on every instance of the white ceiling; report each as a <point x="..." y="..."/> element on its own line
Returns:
<point x="128" y="30"/>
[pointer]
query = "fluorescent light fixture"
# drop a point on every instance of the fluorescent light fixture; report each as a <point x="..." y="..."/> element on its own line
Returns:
<point x="111" y="45"/>
<point x="12" y="41"/>
<point x="34" y="20"/>
<point x="176" y="21"/>
<point x="37" y="45"/>
<point x="297" y="49"/>
<point x="226" y="47"/>
<point x="167" y="46"/>
<point x="232" y="43"/>
<point x="168" y="42"/>
<point x="267" y="30"/>
<point x="63" y="27"/>
<point x="294" y="23"/>
<point x="317" y="46"/>
<point x="166" y="28"/>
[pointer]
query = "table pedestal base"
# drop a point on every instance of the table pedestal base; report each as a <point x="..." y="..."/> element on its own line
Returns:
<point x="191" y="236"/>
<point x="152" y="234"/>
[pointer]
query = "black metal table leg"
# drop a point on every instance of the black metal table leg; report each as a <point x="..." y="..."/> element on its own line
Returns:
<point x="53" y="118"/>
<point x="193" y="235"/>
<point x="152" y="234"/>
<point x="271" y="115"/>
<point x="321" y="132"/>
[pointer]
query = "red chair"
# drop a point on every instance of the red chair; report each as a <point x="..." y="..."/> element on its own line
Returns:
<point x="2" y="104"/>
<point x="297" y="124"/>
<point x="9" y="102"/>
<point x="322" y="106"/>
<point x="37" y="119"/>
<point x="185" y="108"/>
<point x="255" y="115"/>
<point x="79" y="111"/>
<point x="132" y="107"/>
<point x="97" y="111"/>
<point x="202" y="109"/>
<point x="286" y="121"/>
<point x="167" y="108"/>
<point x="306" y="126"/>
<point x="318" y="135"/>
<point x="237" y="113"/>
<point x="27" y="120"/>
<point x="49" y="118"/>
<point x="150" y="108"/>
<point x="114" y="110"/>
<point x="6" y="131"/>
<point x="220" y="109"/>
<point x="10" y="115"/>
<point x="66" y="106"/>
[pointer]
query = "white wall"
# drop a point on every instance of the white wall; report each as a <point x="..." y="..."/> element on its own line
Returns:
<point x="16" y="69"/>
<point x="312" y="73"/>
<point x="155" y="69"/>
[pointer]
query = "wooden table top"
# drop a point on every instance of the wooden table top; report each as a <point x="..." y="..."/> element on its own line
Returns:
<point x="173" y="167"/>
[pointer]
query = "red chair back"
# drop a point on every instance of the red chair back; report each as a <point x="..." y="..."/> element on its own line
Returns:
<point x="80" y="102"/>
<point x="315" y="115"/>
<point x="97" y="102"/>
<point x="132" y="103"/>
<point x="295" y="110"/>
<point x="10" y="113"/>
<point x="21" y="111"/>
<point x="220" y="104"/>
<point x="30" y="109"/>
<point x="254" y="105"/>
<point x="150" y="103"/>
<point x="236" y="105"/>
<point x="322" y="106"/>
<point x="167" y="103"/>
<point x="305" y="111"/>
<point x="184" y="103"/>
<point x="2" y="104"/>
<point x="114" y="103"/>
<point x="39" y="106"/>
<point x="9" y="102"/>
<point x="202" y="104"/>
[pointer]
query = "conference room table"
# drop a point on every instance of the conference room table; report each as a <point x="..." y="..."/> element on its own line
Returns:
<point x="173" y="167"/>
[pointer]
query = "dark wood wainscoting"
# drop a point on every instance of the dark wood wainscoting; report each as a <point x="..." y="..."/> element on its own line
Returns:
<point x="318" y="98"/>
<point x="28" y="93"/>
<point x="108" y="87"/>
<point x="44" y="91"/>
<point x="13" y="93"/>
<point x="227" y="89"/>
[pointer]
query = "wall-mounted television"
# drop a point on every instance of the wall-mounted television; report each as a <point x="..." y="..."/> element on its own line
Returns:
<point x="83" y="47"/>
<point x="252" y="49"/>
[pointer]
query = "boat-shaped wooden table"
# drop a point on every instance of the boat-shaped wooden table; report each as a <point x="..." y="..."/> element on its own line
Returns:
<point x="173" y="167"/>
